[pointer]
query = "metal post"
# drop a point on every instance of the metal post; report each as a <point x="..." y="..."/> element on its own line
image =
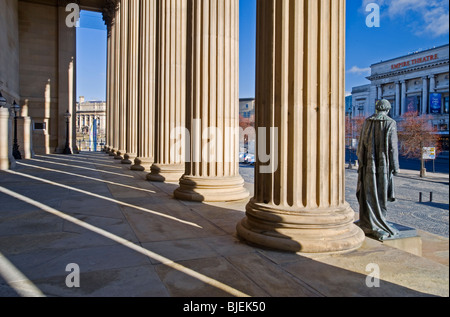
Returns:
<point x="16" y="152"/>
<point x="67" y="150"/>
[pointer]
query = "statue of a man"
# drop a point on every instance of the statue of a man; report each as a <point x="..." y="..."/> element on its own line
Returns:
<point x="378" y="164"/>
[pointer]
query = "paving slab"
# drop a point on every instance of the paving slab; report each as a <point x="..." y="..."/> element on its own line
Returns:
<point x="132" y="238"/>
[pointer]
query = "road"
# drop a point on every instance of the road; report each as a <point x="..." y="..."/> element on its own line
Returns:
<point x="428" y="216"/>
<point x="441" y="165"/>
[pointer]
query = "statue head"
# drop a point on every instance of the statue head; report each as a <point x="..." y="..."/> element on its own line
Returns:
<point x="383" y="106"/>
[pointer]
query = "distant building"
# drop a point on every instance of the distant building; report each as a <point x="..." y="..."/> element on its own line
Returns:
<point x="360" y="100"/>
<point x="86" y="113"/>
<point x="247" y="142"/>
<point x="415" y="82"/>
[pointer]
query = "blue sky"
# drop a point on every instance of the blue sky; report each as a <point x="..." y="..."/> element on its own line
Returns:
<point x="405" y="26"/>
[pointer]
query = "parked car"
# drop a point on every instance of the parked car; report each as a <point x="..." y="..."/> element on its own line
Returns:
<point x="242" y="157"/>
<point x="250" y="159"/>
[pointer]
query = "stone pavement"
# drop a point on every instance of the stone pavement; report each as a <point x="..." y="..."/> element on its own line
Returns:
<point x="129" y="238"/>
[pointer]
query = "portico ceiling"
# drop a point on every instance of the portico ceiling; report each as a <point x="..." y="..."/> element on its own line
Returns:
<point x="94" y="5"/>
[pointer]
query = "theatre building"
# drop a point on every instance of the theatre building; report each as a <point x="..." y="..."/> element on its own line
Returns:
<point x="415" y="82"/>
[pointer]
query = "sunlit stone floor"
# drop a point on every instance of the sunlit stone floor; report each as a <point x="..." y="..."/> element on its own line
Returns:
<point x="129" y="237"/>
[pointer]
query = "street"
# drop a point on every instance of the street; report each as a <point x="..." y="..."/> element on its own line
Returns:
<point x="441" y="164"/>
<point x="429" y="216"/>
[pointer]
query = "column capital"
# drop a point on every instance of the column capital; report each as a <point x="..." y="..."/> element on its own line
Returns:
<point x="433" y="76"/>
<point x="109" y="11"/>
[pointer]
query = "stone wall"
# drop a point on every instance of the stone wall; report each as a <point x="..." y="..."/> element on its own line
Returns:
<point x="9" y="56"/>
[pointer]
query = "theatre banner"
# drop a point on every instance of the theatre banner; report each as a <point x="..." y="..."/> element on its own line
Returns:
<point x="412" y="104"/>
<point x="435" y="103"/>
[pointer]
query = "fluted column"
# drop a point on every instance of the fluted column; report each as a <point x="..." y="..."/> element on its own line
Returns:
<point x="131" y="126"/>
<point x="212" y="173"/>
<point x="122" y="81"/>
<point x="109" y="84"/>
<point x="146" y="104"/>
<point x="299" y="204"/>
<point x="115" y="81"/>
<point x="171" y="91"/>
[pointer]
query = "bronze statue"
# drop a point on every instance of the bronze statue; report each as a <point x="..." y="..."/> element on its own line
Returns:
<point x="378" y="164"/>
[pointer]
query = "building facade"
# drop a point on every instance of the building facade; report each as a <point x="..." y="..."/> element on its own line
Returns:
<point x="247" y="121"/>
<point x="415" y="82"/>
<point x="88" y="113"/>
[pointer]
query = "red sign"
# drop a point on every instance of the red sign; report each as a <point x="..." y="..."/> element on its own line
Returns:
<point x="415" y="61"/>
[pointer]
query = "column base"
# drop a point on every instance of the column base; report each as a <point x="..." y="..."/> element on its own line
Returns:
<point x="213" y="189"/>
<point x="302" y="231"/>
<point x="112" y="152"/>
<point x="119" y="155"/>
<point x="142" y="164"/>
<point x="128" y="158"/>
<point x="170" y="173"/>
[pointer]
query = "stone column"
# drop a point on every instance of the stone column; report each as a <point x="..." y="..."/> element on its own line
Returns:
<point x="25" y="132"/>
<point x="171" y="90"/>
<point x="379" y="92"/>
<point x="115" y="81"/>
<point x="4" y="139"/>
<point x="213" y="103"/>
<point x="299" y="203"/>
<point x="66" y="75"/>
<point x="122" y="81"/>
<point x="432" y="83"/>
<point x="397" y="99"/>
<point x="146" y="117"/>
<point x="404" y="105"/>
<point x="425" y="95"/>
<point x="108" y="17"/>
<point x="131" y="126"/>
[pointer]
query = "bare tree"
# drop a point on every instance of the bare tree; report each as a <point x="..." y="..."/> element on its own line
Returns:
<point x="353" y="127"/>
<point x="416" y="132"/>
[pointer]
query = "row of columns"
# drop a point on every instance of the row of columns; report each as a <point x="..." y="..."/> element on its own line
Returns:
<point x="184" y="73"/>
<point x="88" y="120"/>
<point x="401" y="94"/>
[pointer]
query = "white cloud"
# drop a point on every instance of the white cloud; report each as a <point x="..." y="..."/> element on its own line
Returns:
<point x="359" y="71"/>
<point x="432" y="15"/>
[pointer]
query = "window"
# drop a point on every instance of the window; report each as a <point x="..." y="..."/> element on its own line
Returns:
<point x="40" y="126"/>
